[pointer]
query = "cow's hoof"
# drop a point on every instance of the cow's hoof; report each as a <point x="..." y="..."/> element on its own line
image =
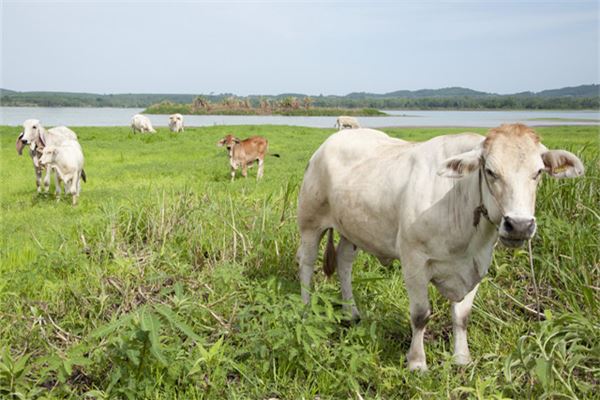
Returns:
<point x="462" y="359"/>
<point x="355" y="315"/>
<point x="417" y="365"/>
<point x="350" y="321"/>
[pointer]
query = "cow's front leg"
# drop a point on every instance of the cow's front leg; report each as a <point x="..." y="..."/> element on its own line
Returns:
<point x="38" y="179"/>
<point x="259" y="174"/>
<point x="233" y="169"/>
<point x="460" y="317"/>
<point x="73" y="189"/>
<point x="416" y="286"/>
<point x="47" y="179"/>
<point x="57" y="184"/>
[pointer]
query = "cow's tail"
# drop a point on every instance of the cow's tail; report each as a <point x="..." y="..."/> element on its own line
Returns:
<point x="83" y="175"/>
<point x="329" y="259"/>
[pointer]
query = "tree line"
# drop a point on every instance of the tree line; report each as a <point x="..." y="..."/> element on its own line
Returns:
<point x="576" y="98"/>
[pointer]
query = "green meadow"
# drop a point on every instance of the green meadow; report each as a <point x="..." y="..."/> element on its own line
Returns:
<point x="168" y="281"/>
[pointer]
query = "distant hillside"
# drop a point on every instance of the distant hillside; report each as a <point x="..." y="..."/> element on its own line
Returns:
<point x="69" y="99"/>
<point x="576" y="97"/>
<point x="575" y="91"/>
<point x="446" y="92"/>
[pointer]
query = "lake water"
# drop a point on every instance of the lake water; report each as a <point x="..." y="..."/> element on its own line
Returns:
<point x="122" y="117"/>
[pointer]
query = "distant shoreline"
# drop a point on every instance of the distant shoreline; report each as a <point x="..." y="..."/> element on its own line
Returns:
<point x="383" y="110"/>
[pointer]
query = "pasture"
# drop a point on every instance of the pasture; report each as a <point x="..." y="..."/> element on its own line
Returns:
<point x="169" y="281"/>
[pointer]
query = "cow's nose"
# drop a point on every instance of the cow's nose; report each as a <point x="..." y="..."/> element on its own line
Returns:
<point x="522" y="226"/>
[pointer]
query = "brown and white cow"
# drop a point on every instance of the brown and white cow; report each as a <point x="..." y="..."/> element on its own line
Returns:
<point x="243" y="153"/>
<point x="438" y="206"/>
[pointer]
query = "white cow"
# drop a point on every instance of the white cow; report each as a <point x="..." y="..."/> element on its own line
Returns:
<point x="37" y="137"/>
<point x="439" y="206"/>
<point x="344" y="122"/>
<point x="67" y="159"/>
<point x="141" y="123"/>
<point x="176" y="123"/>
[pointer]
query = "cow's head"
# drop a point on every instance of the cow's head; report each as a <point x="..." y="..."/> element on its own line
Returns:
<point x="228" y="141"/>
<point x="511" y="161"/>
<point x="30" y="134"/>
<point x="48" y="155"/>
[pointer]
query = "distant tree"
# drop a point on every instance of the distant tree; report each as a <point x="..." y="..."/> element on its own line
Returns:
<point x="200" y="103"/>
<point x="265" y="104"/>
<point x="307" y="102"/>
<point x="230" y="102"/>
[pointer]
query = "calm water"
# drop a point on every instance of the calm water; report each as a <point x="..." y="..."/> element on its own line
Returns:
<point x="122" y="117"/>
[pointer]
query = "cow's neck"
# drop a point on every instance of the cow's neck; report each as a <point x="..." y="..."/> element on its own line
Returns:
<point x="40" y="141"/>
<point x="478" y="222"/>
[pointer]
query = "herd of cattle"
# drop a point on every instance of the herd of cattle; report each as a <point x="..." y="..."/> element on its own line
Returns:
<point x="420" y="203"/>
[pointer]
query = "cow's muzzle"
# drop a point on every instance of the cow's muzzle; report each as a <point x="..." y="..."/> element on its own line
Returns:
<point x="515" y="231"/>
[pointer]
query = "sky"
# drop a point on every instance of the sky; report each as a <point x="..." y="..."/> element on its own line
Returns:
<point x="311" y="47"/>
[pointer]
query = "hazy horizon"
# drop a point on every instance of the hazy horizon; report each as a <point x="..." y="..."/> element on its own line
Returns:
<point x="313" y="48"/>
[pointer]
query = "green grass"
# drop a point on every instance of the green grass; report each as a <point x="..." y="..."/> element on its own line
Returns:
<point x="168" y="281"/>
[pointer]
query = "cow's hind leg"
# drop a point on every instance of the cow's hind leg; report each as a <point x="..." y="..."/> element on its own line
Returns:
<point x="346" y="251"/>
<point x="460" y="316"/>
<point x="306" y="256"/>
<point x="416" y="286"/>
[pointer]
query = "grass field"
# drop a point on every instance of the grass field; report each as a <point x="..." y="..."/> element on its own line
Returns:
<point x="168" y="281"/>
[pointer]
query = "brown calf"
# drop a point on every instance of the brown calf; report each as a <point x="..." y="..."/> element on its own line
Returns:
<point x="242" y="153"/>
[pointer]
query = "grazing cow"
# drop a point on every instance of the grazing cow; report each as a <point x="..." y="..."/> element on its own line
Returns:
<point x="38" y="137"/>
<point x="242" y="153"/>
<point x="141" y="123"/>
<point x="438" y="206"/>
<point x="176" y="123"/>
<point x="344" y="122"/>
<point x="67" y="159"/>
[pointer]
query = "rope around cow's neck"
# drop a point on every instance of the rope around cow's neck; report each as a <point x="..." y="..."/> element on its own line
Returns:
<point x="535" y="287"/>
<point x="481" y="209"/>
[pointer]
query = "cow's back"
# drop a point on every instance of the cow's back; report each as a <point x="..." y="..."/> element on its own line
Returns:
<point x="255" y="146"/>
<point x="339" y="176"/>
<point x="368" y="185"/>
<point x="59" y="134"/>
<point x="70" y="155"/>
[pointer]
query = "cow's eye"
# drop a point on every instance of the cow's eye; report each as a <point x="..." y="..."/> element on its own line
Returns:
<point x="491" y="173"/>
<point x="34" y="127"/>
<point x="538" y="174"/>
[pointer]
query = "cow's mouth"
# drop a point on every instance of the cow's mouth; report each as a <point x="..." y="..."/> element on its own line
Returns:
<point x="512" y="242"/>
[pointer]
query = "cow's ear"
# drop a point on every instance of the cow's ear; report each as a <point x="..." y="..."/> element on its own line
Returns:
<point x="19" y="144"/>
<point x="461" y="165"/>
<point x="562" y="164"/>
<point x="221" y="142"/>
<point x="236" y="140"/>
